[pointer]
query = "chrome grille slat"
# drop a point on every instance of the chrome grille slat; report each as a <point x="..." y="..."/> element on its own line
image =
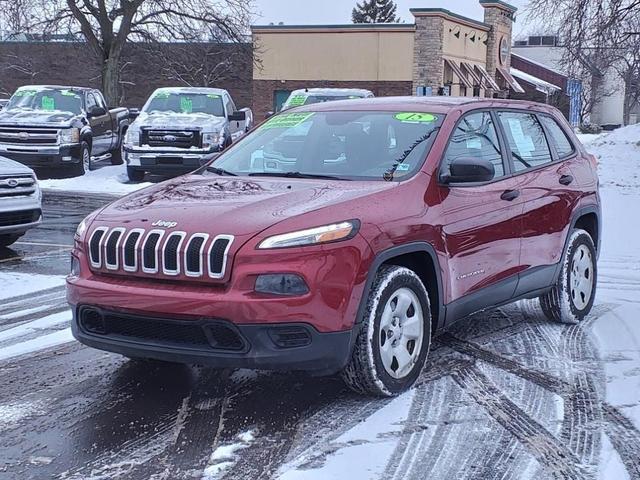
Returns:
<point x="28" y="136"/>
<point x="170" y="254"/>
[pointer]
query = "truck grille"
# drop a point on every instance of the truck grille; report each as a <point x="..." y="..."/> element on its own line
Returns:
<point x="159" y="252"/>
<point x="17" y="185"/>
<point x="23" y="217"/>
<point x="28" y="136"/>
<point x="171" y="138"/>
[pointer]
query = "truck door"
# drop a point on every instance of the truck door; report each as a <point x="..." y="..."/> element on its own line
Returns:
<point x="235" y="128"/>
<point x="100" y="122"/>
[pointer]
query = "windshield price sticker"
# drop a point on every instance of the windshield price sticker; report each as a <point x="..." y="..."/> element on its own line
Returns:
<point x="409" y="117"/>
<point x="162" y="95"/>
<point x="298" y="101"/>
<point x="213" y="96"/>
<point x="186" y="105"/>
<point x="69" y="93"/>
<point x="288" y="120"/>
<point x="25" y="93"/>
<point x="48" y="103"/>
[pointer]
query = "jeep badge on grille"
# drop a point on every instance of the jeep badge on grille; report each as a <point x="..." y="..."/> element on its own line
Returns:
<point x="164" y="224"/>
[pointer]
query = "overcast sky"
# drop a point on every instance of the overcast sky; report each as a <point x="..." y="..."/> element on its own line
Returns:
<point x="339" y="11"/>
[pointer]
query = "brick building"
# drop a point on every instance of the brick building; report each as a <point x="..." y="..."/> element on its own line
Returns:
<point x="441" y="53"/>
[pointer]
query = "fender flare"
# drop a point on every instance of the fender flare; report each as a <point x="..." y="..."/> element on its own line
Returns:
<point x="396" y="251"/>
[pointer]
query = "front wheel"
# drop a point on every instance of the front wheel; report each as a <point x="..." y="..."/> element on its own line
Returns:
<point x="571" y="298"/>
<point x="117" y="155"/>
<point x="135" y="175"/>
<point x="395" y="336"/>
<point x="84" y="165"/>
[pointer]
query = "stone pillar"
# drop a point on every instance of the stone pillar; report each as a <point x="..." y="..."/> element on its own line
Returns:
<point x="500" y="17"/>
<point x="428" y="63"/>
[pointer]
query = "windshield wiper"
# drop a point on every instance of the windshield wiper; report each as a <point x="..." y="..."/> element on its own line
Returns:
<point x="296" y="175"/>
<point x="221" y="171"/>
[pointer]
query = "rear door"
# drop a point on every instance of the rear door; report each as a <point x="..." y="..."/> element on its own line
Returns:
<point x="540" y="154"/>
<point x="482" y="223"/>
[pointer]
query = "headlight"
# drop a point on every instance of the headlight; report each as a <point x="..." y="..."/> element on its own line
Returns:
<point x="81" y="230"/>
<point x="69" y="135"/>
<point x="132" y="137"/>
<point x="313" y="236"/>
<point x="211" y="140"/>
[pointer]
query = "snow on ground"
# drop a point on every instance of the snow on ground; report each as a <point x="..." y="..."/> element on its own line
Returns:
<point x="110" y="180"/>
<point x="14" y="284"/>
<point x="226" y="456"/>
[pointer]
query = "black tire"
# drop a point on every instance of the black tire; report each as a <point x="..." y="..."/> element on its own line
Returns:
<point x="117" y="158"/>
<point x="84" y="164"/>
<point x="567" y="302"/>
<point x="9" y="239"/>
<point x="135" y="175"/>
<point x="366" y="373"/>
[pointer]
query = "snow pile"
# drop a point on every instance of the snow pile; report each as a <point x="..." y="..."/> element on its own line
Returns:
<point x="226" y="456"/>
<point x="111" y="180"/>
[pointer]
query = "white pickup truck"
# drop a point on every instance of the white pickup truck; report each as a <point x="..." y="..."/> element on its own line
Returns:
<point x="180" y="129"/>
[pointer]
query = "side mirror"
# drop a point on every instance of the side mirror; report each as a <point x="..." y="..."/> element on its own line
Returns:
<point x="96" y="111"/>
<point x="269" y="115"/>
<point x="470" y="170"/>
<point x="239" y="116"/>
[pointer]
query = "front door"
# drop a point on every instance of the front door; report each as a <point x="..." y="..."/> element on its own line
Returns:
<point x="482" y="223"/>
<point x="100" y="128"/>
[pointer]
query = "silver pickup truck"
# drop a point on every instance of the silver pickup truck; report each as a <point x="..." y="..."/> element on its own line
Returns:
<point x="20" y="201"/>
<point x="180" y="129"/>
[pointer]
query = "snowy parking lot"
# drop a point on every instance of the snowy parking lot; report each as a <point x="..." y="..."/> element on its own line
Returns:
<point x="505" y="394"/>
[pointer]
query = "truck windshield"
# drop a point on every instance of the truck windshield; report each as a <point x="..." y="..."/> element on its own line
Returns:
<point x="178" y="102"/>
<point x="46" y="99"/>
<point x="342" y="145"/>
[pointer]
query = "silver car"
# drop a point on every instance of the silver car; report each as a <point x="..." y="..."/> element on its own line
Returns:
<point x="20" y="201"/>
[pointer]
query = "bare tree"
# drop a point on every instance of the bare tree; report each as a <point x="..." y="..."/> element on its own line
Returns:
<point x="107" y="25"/>
<point x="591" y="38"/>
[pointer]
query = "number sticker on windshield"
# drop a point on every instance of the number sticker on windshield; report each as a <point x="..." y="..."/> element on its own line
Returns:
<point x="186" y="105"/>
<point x="162" y="95"/>
<point x="287" y="120"/>
<point x="25" y="93"/>
<point x="213" y="96"/>
<point x="69" y="93"/>
<point x="297" y="101"/>
<point x="48" y="103"/>
<point x="412" y="117"/>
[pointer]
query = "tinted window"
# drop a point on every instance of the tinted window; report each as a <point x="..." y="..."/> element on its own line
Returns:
<point x="353" y="145"/>
<point x="563" y="145"/>
<point x="475" y="137"/>
<point x="527" y="141"/>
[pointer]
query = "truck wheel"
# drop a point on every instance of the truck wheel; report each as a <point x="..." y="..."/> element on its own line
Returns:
<point x="84" y="165"/>
<point x="6" y="240"/>
<point x="135" y="175"/>
<point x="571" y="298"/>
<point x="117" y="155"/>
<point x="395" y="335"/>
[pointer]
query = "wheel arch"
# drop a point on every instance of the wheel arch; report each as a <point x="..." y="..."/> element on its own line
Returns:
<point x="588" y="219"/>
<point x="421" y="258"/>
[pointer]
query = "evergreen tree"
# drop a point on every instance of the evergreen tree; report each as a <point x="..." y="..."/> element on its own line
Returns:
<point x="375" y="11"/>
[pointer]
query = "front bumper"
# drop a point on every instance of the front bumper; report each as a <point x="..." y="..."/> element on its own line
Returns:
<point x="42" y="156"/>
<point x="19" y="214"/>
<point x="291" y="346"/>
<point x="166" y="161"/>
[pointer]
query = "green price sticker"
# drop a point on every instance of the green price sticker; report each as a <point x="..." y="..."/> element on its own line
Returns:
<point x="297" y="101"/>
<point x="69" y="93"/>
<point x="213" y="96"/>
<point x="409" y="117"/>
<point x="25" y="93"/>
<point x="162" y="95"/>
<point x="48" y="103"/>
<point x="287" y="120"/>
<point x="186" y="105"/>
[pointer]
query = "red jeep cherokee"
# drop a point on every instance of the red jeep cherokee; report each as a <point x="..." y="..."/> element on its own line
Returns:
<point x="339" y="237"/>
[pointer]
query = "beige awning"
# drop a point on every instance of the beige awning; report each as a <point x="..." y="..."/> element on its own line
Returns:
<point x="487" y="81"/>
<point x="456" y="69"/>
<point x="512" y="82"/>
<point x="477" y="81"/>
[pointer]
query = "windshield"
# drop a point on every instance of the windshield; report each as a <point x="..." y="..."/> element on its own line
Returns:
<point x="46" y="99"/>
<point x="341" y="145"/>
<point x="178" y="102"/>
<point x="306" y="99"/>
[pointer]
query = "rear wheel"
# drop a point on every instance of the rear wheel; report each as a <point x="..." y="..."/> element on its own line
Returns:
<point x="135" y="175"/>
<point x="571" y="298"/>
<point x="6" y="240"/>
<point x="395" y="336"/>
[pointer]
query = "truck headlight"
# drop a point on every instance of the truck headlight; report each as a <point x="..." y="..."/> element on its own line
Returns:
<point x="313" y="236"/>
<point x="69" y="135"/>
<point x="132" y="137"/>
<point x="211" y="140"/>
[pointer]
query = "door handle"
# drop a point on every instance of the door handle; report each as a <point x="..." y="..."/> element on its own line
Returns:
<point x="566" y="179"/>
<point x="510" y="195"/>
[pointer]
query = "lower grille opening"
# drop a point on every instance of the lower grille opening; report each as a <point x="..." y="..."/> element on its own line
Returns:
<point x="290" y="337"/>
<point x="186" y="334"/>
<point x="9" y="219"/>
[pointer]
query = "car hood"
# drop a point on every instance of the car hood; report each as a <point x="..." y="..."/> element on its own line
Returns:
<point x="228" y="205"/>
<point x="9" y="167"/>
<point x="207" y="123"/>
<point x="54" y="118"/>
